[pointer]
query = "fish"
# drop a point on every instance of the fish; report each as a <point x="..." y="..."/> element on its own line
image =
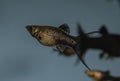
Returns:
<point x="98" y="75"/>
<point x="52" y="36"/>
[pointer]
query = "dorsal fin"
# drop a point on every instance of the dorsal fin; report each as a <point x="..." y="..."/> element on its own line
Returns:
<point x="65" y="28"/>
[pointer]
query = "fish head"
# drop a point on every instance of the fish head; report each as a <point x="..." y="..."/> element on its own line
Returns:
<point x="42" y="34"/>
<point x="94" y="74"/>
<point x="34" y="30"/>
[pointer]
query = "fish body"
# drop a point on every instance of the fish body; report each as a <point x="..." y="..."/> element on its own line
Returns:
<point x="52" y="36"/>
<point x="97" y="75"/>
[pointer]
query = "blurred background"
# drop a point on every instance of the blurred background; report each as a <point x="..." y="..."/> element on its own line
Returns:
<point x="22" y="58"/>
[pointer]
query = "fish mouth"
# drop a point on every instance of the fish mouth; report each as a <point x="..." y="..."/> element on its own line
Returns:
<point x="29" y="28"/>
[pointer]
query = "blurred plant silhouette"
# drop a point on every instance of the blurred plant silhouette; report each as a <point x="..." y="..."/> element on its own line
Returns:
<point x="109" y="43"/>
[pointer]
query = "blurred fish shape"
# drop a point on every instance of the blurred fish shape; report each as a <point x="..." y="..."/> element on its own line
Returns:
<point x="97" y="75"/>
<point x="107" y="42"/>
